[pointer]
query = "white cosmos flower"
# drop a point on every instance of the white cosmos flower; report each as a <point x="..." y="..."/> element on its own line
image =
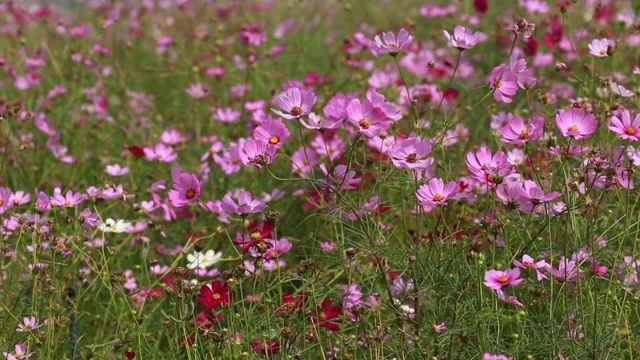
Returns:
<point x="203" y="260"/>
<point x="114" y="226"/>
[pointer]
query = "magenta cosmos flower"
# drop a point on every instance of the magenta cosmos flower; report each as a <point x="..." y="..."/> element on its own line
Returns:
<point x="625" y="128"/>
<point x="411" y="154"/>
<point x="517" y="133"/>
<point x="576" y="123"/>
<point x="273" y="132"/>
<point x="496" y="279"/>
<point x="295" y="103"/>
<point x="462" y="37"/>
<point x="369" y="120"/>
<point x="436" y="193"/>
<point x="245" y="205"/>
<point x="390" y="44"/>
<point x="601" y="47"/>
<point x="256" y="153"/>
<point x="504" y="84"/>
<point x="185" y="190"/>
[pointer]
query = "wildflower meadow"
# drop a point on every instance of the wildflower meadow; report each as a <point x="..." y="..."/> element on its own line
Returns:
<point x="340" y="179"/>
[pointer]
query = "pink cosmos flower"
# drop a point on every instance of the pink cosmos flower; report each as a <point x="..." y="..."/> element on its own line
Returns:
<point x="567" y="270"/>
<point x="19" y="198"/>
<point x="518" y="67"/>
<point x="19" y="354"/>
<point x="496" y="279"/>
<point x="436" y="193"/>
<point x="627" y="129"/>
<point x="576" y="123"/>
<point x="529" y="263"/>
<point x="389" y="44"/>
<point x="517" y="133"/>
<point x="504" y="84"/>
<point x="531" y="196"/>
<point x="411" y="154"/>
<point x="226" y="115"/>
<point x="601" y="47"/>
<point x="186" y="190"/>
<point x="116" y="170"/>
<point x="462" y="38"/>
<point x="198" y="90"/>
<point x="341" y="178"/>
<point x="378" y="101"/>
<point x="245" y="205"/>
<point x="490" y="168"/>
<point x="369" y="120"/>
<point x="273" y="132"/>
<point x="295" y="103"/>
<point x="29" y="324"/>
<point x="70" y="199"/>
<point x="171" y="137"/>
<point x="620" y="90"/>
<point x="487" y="356"/>
<point x="257" y="153"/>
<point x="160" y="152"/>
<point x="253" y="34"/>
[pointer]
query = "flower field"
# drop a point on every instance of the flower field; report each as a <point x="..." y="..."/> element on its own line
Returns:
<point x="290" y="179"/>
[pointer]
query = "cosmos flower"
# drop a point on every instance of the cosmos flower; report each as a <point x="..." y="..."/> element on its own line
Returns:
<point x="390" y="44"/>
<point x="575" y="123"/>
<point x="186" y="190"/>
<point x="462" y="38"/>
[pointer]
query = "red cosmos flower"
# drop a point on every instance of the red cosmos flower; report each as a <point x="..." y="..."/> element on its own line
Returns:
<point x="130" y="354"/>
<point x="328" y="317"/>
<point x="290" y="304"/>
<point x="481" y="6"/>
<point x="265" y="347"/>
<point x="214" y="295"/>
<point x="136" y="151"/>
<point x="256" y="237"/>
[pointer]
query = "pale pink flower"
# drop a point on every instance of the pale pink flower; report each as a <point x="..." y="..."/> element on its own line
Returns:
<point x="601" y="47"/>
<point x="389" y="44"/>
<point x="462" y="37"/>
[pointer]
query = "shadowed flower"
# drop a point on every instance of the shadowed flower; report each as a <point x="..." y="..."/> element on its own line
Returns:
<point x="245" y="205"/>
<point x="214" y="295"/>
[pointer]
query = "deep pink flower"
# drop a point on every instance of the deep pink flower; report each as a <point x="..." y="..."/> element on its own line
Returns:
<point x="295" y="103"/>
<point x="488" y="168"/>
<point x="186" y="190"/>
<point x="627" y="129"/>
<point x="496" y="279"/>
<point x="576" y="123"/>
<point x="436" y="193"/>
<point x="389" y="44"/>
<point x="253" y="34"/>
<point x="462" y="37"/>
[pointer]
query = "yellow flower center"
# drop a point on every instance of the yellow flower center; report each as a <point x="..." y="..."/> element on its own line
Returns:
<point x="630" y="131"/>
<point x="524" y="134"/>
<point x="322" y="315"/>
<point x="603" y="52"/>
<point x="274" y="140"/>
<point x="573" y="128"/>
<point x="438" y="197"/>
<point x="364" y="123"/>
<point x="497" y="83"/>
<point x="411" y="158"/>
<point x="67" y="203"/>
<point x="216" y="296"/>
<point x="503" y="279"/>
